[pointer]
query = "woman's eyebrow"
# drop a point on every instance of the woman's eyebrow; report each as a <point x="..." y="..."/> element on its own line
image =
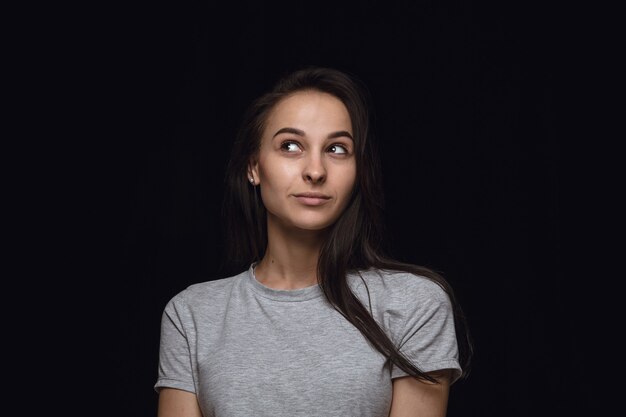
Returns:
<point x="340" y="134"/>
<point x="289" y="130"/>
<point x="299" y="132"/>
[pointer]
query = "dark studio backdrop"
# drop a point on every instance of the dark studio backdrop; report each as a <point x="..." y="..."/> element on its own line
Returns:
<point x="463" y="105"/>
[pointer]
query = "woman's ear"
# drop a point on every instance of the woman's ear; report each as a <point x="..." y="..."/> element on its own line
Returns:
<point x="253" y="171"/>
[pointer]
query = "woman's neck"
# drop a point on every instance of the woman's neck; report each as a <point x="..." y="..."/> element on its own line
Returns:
<point x="290" y="260"/>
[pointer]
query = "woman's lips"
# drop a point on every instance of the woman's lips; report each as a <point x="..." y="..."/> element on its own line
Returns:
<point x="312" y="199"/>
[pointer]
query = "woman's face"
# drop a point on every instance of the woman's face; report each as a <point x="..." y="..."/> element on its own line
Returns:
<point x="306" y="167"/>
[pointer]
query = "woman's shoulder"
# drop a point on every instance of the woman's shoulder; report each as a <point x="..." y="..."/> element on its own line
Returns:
<point x="400" y="294"/>
<point x="215" y="288"/>
<point x="397" y="283"/>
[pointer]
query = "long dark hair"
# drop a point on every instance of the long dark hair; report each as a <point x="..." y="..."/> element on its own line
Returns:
<point x="354" y="240"/>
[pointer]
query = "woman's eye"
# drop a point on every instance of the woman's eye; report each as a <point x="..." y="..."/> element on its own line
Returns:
<point x="289" y="146"/>
<point x="339" y="149"/>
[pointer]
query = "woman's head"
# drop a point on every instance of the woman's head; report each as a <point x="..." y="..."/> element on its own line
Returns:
<point x="341" y="95"/>
<point x="305" y="166"/>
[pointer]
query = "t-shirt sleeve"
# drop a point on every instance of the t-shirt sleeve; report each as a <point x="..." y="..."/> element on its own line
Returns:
<point x="425" y="331"/>
<point x="175" y="364"/>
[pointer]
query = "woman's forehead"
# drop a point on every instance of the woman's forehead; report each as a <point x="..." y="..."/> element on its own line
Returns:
<point x="309" y="109"/>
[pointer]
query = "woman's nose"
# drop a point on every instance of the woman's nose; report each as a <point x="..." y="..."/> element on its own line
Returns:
<point x="314" y="170"/>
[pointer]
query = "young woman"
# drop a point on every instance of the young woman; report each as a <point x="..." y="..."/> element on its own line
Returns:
<point x="320" y="322"/>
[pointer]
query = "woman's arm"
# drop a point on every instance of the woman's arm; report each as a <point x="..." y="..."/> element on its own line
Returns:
<point x="178" y="403"/>
<point x="413" y="398"/>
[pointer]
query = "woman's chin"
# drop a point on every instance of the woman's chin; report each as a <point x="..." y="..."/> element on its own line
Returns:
<point x="315" y="223"/>
<point x="312" y="225"/>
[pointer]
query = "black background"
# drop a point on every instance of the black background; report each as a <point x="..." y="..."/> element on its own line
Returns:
<point x="463" y="103"/>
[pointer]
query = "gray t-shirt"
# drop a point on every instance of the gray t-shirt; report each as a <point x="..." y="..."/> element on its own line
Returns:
<point x="246" y="349"/>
